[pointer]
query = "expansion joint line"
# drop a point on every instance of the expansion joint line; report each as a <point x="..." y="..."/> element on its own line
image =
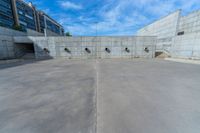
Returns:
<point x="96" y="94"/>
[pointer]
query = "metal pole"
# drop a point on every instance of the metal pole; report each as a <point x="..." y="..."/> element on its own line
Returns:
<point x="45" y="23"/>
<point x="96" y="47"/>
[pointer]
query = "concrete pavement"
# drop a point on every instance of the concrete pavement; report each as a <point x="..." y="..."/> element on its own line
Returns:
<point x="55" y="96"/>
<point x="149" y="96"/>
<point x="103" y="96"/>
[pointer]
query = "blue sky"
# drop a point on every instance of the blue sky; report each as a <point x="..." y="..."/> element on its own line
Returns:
<point x="110" y="17"/>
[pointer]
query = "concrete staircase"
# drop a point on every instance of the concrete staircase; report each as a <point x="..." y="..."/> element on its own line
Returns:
<point x="162" y="54"/>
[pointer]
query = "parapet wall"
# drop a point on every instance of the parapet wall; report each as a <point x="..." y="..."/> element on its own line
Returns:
<point x="92" y="47"/>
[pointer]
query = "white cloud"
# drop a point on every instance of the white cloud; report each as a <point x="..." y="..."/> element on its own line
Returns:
<point x="120" y="19"/>
<point x="125" y="17"/>
<point x="70" y="5"/>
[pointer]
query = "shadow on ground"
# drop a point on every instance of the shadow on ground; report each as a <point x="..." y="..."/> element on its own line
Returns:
<point x="21" y="62"/>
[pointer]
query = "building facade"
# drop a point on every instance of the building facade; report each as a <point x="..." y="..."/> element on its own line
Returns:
<point x="46" y="22"/>
<point x="25" y="15"/>
<point x="6" y="14"/>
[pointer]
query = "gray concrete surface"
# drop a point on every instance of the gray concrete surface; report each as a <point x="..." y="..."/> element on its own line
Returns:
<point x="184" y="61"/>
<point x="55" y="96"/>
<point x="148" y="97"/>
<point x="186" y="46"/>
<point x="103" y="96"/>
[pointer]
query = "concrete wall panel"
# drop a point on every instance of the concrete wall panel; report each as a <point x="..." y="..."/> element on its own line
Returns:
<point x="190" y="23"/>
<point x="186" y="46"/>
<point x="6" y="47"/>
<point x="76" y="47"/>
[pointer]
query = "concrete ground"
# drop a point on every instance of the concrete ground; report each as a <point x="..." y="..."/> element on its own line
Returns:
<point x="55" y="96"/>
<point x="188" y="61"/>
<point x="103" y="96"/>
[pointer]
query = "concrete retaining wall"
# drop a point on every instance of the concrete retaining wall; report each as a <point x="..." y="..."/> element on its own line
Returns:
<point x="164" y="28"/>
<point x="50" y="33"/>
<point x="190" y="23"/>
<point x="6" y="47"/>
<point x="33" y="33"/>
<point x="186" y="46"/>
<point x="75" y="47"/>
<point x="10" y="32"/>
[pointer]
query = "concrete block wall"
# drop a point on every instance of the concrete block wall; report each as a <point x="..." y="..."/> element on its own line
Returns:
<point x="76" y="47"/>
<point x="186" y="46"/>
